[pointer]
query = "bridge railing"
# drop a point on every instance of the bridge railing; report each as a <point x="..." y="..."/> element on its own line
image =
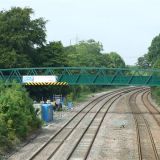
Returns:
<point x="88" y="75"/>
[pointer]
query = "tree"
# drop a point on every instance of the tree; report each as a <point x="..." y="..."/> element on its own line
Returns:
<point x="105" y="60"/>
<point x="116" y="60"/>
<point x="52" y="55"/>
<point x="89" y="54"/>
<point x="154" y="50"/>
<point x="143" y="61"/>
<point x="157" y="64"/>
<point x="20" y="36"/>
<point x="151" y="59"/>
<point x="85" y="53"/>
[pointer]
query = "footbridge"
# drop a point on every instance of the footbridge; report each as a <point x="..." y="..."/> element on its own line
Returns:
<point x="87" y="75"/>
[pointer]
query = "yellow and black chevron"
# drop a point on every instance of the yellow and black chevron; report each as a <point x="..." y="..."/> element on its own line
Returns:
<point x="46" y="83"/>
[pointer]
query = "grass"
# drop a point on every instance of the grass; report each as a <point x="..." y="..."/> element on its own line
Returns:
<point x="155" y="92"/>
<point x="85" y="95"/>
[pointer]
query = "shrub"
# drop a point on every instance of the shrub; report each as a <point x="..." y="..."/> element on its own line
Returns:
<point x="17" y="115"/>
<point x="155" y="92"/>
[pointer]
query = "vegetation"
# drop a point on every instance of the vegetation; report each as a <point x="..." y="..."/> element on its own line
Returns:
<point x="86" y="92"/>
<point x="23" y="44"/>
<point x="155" y="91"/>
<point x="20" y="37"/>
<point x="152" y="60"/>
<point x="17" y="116"/>
<point x="89" y="54"/>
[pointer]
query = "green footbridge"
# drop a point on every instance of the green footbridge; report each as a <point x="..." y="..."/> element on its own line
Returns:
<point x="88" y="75"/>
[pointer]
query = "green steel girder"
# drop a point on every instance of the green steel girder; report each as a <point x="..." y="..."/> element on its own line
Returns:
<point x="88" y="75"/>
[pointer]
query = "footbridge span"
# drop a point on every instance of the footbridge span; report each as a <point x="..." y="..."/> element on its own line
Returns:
<point x="87" y="75"/>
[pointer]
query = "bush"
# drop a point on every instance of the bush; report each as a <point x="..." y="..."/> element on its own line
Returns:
<point x="155" y="92"/>
<point x="17" y="115"/>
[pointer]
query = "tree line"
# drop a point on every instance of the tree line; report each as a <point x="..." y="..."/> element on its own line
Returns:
<point x="23" y="44"/>
<point x="152" y="60"/>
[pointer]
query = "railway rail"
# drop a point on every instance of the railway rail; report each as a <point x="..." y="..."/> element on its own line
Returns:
<point x="91" y="131"/>
<point x="93" y="113"/>
<point x="146" y="146"/>
<point x="151" y="108"/>
<point x="79" y="137"/>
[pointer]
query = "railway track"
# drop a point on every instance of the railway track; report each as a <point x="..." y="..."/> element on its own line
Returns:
<point x="93" y="115"/>
<point x="88" y="137"/>
<point x="151" y="108"/>
<point x="146" y="146"/>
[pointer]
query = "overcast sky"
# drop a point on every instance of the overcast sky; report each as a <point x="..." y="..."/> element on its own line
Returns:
<point x="124" y="26"/>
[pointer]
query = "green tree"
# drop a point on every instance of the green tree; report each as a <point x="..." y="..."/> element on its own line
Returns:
<point x="89" y="54"/>
<point x="154" y="51"/>
<point x="116" y="60"/>
<point x="52" y="55"/>
<point x="143" y="62"/>
<point x="157" y="64"/>
<point x="20" y="36"/>
<point x="85" y="53"/>
<point x="152" y="60"/>
<point x="105" y="60"/>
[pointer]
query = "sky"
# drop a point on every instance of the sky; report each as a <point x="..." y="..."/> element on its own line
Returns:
<point x="123" y="26"/>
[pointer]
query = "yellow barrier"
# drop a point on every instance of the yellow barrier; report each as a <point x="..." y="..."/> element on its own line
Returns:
<point x="46" y="83"/>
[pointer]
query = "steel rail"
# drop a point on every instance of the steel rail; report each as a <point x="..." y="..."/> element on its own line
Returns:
<point x="90" y="103"/>
<point x="97" y="130"/>
<point x="95" y="135"/>
<point x="149" y="131"/>
<point x="86" y="128"/>
<point x="152" y="109"/>
<point x="135" y="111"/>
